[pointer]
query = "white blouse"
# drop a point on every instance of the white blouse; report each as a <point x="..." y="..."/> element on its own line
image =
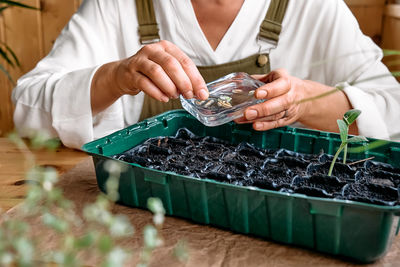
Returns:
<point x="320" y="41"/>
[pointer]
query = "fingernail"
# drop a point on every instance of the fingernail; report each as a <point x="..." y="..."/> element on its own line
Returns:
<point x="203" y="94"/>
<point x="258" y="126"/>
<point x="189" y="95"/>
<point x="176" y="96"/>
<point x="164" y="99"/>
<point x="251" y="114"/>
<point x="261" y="94"/>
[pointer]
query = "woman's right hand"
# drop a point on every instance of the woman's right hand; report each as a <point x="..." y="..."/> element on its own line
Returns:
<point x="162" y="71"/>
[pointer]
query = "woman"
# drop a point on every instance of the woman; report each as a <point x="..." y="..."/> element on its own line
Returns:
<point x="108" y="68"/>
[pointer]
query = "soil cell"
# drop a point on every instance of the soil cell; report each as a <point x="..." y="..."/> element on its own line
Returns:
<point x="343" y="171"/>
<point x="318" y="185"/>
<point x="371" y="193"/>
<point x="280" y="170"/>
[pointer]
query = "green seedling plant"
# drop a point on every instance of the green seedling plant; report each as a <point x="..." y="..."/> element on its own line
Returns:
<point x="348" y="119"/>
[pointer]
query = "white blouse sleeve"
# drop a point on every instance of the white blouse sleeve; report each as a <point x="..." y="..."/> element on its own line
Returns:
<point x="55" y="96"/>
<point x="367" y="82"/>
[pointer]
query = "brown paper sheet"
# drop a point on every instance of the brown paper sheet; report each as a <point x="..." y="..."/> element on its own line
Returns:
<point x="207" y="246"/>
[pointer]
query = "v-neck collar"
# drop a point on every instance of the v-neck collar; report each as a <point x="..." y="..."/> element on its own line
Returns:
<point x="191" y="26"/>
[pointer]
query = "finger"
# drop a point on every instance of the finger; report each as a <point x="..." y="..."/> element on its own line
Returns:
<point x="273" y="117"/>
<point x="158" y="76"/>
<point x="268" y="108"/>
<point x="273" y="89"/>
<point x="268" y="125"/>
<point x="147" y="86"/>
<point x="175" y="72"/>
<point x="259" y="77"/>
<point x="198" y="84"/>
<point x="273" y="75"/>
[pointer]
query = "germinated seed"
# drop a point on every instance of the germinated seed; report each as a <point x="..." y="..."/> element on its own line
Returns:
<point x="251" y="92"/>
<point x="237" y="91"/>
<point x="224" y="104"/>
<point x="209" y="103"/>
<point x="225" y="98"/>
<point x="200" y="102"/>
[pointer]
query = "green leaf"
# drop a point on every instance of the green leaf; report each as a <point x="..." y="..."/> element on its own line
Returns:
<point x="115" y="258"/>
<point x="25" y="250"/>
<point x="334" y="90"/>
<point x="85" y="241"/>
<point x="3" y="8"/>
<point x="357" y="139"/>
<point x="4" y="55"/>
<point x="14" y="3"/>
<point x="6" y="258"/>
<point x="150" y="237"/>
<point x="105" y="244"/>
<point x="389" y="52"/>
<point x="2" y="69"/>
<point x="181" y="251"/>
<point x="350" y="116"/>
<point x="369" y="146"/>
<point x="12" y="54"/>
<point x="392" y="73"/>
<point x="121" y="226"/>
<point x="16" y="139"/>
<point x="42" y="139"/>
<point x="35" y="194"/>
<point x="155" y="205"/>
<point x="343" y="129"/>
<point x="55" y="223"/>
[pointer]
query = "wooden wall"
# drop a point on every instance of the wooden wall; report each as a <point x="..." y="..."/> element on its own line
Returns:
<point x="369" y="15"/>
<point x="31" y="35"/>
<point x="380" y="19"/>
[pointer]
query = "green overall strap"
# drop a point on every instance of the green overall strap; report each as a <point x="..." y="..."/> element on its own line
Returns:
<point x="148" y="29"/>
<point x="272" y="25"/>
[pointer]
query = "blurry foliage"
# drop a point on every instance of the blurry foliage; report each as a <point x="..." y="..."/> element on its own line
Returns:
<point x="100" y="231"/>
<point x="6" y="53"/>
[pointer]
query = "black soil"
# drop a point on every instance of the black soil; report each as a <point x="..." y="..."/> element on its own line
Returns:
<point x="280" y="170"/>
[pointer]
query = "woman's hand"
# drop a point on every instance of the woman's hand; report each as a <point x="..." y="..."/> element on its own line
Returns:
<point x="160" y="70"/>
<point x="284" y="107"/>
<point x="281" y="91"/>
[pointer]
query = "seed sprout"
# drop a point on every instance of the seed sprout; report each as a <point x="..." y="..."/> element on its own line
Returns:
<point x="348" y="118"/>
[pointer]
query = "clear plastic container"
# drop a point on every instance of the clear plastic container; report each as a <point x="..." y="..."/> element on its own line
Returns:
<point x="229" y="97"/>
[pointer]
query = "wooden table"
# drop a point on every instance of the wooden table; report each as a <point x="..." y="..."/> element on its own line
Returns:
<point x="13" y="168"/>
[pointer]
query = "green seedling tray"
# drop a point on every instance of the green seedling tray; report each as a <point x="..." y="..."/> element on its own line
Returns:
<point x="362" y="232"/>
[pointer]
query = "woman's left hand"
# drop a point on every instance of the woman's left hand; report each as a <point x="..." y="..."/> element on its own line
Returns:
<point x="282" y="106"/>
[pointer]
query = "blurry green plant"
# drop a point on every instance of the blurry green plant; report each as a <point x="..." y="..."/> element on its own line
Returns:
<point x="100" y="231"/>
<point x="348" y="118"/>
<point x="6" y="53"/>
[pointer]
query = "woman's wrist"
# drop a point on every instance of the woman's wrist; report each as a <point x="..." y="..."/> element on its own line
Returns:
<point x="105" y="89"/>
<point x="324" y="105"/>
